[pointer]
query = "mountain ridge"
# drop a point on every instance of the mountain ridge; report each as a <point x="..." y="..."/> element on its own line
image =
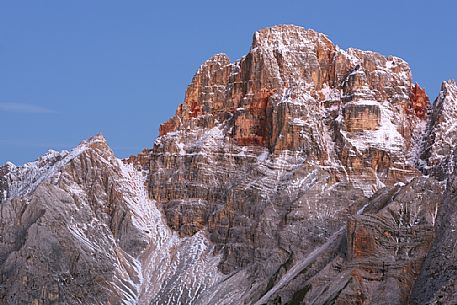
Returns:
<point x="300" y="174"/>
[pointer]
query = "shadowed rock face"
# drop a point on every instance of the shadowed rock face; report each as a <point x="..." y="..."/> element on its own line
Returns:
<point x="361" y="117"/>
<point x="437" y="283"/>
<point x="83" y="231"/>
<point x="440" y="138"/>
<point x="4" y="170"/>
<point x="291" y="176"/>
<point x="380" y="254"/>
<point x="58" y="236"/>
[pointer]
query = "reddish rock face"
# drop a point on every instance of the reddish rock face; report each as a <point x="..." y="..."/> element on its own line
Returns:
<point x="285" y="144"/>
<point x="419" y="101"/>
<point x="296" y="91"/>
<point x="361" y="117"/>
<point x="251" y="124"/>
<point x="166" y="127"/>
<point x="140" y="161"/>
<point x="361" y="242"/>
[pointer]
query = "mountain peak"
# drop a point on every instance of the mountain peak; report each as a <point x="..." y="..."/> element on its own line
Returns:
<point x="448" y="87"/>
<point x="296" y="90"/>
<point x="96" y="142"/>
<point x="50" y="164"/>
<point x="301" y="173"/>
<point x="285" y="36"/>
<point x="97" y="138"/>
<point x="441" y="136"/>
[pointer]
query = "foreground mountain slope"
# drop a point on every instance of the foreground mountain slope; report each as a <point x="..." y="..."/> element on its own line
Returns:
<point x="86" y="233"/>
<point x="291" y="176"/>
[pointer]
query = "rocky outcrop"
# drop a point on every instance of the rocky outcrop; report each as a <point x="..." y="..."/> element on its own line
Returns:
<point x="386" y="249"/>
<point x="361" y="117"/>
<point x="419" y="101"/>
<point x="140" y="161"/>
<point x="380" y="256"/>
<point x="441" y="136"/>
<point x="297" y="91"/>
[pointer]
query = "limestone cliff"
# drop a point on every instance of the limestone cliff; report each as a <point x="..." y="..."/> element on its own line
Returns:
<point x="296" y="92"/>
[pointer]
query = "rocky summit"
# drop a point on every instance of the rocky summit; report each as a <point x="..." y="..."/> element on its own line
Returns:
<point x="300" y="174"/>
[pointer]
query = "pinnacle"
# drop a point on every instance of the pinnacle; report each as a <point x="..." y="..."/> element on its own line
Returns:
<point x="99" y="137"/>
<point x="448" y="83"/>
<point x="220" y="59"/>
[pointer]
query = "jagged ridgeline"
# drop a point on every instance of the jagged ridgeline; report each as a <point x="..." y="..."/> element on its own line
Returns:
<point x="300" y="174"/>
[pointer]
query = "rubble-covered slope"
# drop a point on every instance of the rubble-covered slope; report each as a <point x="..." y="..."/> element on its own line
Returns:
<point x="295" y="175"/>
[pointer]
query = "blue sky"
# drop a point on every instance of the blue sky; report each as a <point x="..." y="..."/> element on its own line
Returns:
<point x="70" y="69"/>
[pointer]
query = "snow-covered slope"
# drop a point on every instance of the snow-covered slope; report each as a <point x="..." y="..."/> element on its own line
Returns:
<point x="24" y="179"/>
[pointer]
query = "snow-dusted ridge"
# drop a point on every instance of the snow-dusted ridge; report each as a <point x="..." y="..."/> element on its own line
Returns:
<point x="170" y="270"/>
<point x="22" y="180"/>
<point x="442" y="127"/>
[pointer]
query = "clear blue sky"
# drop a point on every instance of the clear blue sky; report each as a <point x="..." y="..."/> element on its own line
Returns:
<point x="70" y="69"/>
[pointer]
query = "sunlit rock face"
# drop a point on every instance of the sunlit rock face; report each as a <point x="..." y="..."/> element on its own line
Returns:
<point x="300" y="174"/>
<point x="297" y="92"/>
<point x="284" y="143"/>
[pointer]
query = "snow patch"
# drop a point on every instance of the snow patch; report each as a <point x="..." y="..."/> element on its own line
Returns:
<point x="298" y="122"/>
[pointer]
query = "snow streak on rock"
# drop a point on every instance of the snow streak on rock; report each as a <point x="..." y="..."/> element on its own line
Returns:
<point x="171" y="270"/>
